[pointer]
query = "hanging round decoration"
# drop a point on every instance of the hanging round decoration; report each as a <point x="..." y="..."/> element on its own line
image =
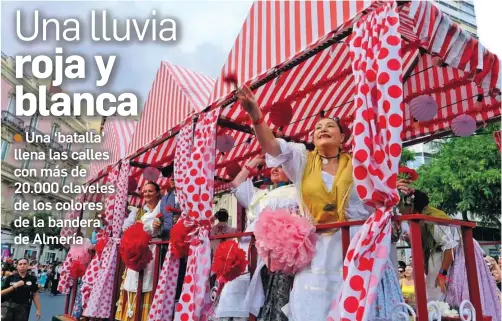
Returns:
<point x="463" y="125"/>
<point x="224" y="143"/>
<point x="423" y="108"/>
<point x="151" y="174"/>
<point x="233" y="169"/>
<point x="132" y="185"/>
<point x="281" y="114"/>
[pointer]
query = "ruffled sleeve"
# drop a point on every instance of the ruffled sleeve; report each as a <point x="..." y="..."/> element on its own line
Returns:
<point x="293" y="159"/>
<point x="446" y="237"/>
<point x="129" y="221"/>
<point x="148" y="219"/>
<point x="244" y="193"/>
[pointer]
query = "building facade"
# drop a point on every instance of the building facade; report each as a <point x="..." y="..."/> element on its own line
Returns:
<point x="461" y="12"/>
<point x="12" y="125"/>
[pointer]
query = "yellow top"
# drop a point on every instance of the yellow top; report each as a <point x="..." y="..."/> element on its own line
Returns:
<point x="326" y="206"/>
<point x="408" y="290"/>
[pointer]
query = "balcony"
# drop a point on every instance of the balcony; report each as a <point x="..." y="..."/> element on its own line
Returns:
<point x="33" y="131"/>
<point x="13" y="121"/>
<point x="57" y="146"/>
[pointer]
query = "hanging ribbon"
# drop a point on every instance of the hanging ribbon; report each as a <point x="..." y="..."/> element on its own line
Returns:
<point x="376" y="63"/>
<point x="163" y="301"/>
<point x="100" y="299"/>
<point x="199" y="187"/>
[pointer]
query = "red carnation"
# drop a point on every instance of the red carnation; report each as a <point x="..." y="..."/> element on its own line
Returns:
<point x="229" y="261"/>
<point x="173" y="210"/>
<point x="77" y="269"/>
<point x="179" y="239"/>
<point x="231" y="78"/>
<point x="134" y="249"/>
<point x="407" y="173"/>
<point x="160" y="216"/>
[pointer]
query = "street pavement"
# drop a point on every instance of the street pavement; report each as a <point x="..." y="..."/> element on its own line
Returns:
<point x="51" y="306"/>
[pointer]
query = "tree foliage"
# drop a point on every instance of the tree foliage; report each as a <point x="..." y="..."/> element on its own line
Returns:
<point x="406" y="156"/>
<point x="464" y="177"/>
<point x="31" y="231"/>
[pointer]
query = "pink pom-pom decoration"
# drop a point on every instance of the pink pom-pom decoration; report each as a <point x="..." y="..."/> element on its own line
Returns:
<point x="284" y="241"/>
<point x="463" y="125"/>
<point x="423" y="108"/>
<point x="151" y="174"/>
<point x="224" y="143"/>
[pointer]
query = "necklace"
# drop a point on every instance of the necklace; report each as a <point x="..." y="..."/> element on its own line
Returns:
<point x="325" y="160"/>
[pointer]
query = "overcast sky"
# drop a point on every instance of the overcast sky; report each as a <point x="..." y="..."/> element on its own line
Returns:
<point x="206" y="31"/>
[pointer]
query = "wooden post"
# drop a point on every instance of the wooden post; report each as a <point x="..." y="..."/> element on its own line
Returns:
<point x="472" y="274"/>
<point x="419" y="270"/>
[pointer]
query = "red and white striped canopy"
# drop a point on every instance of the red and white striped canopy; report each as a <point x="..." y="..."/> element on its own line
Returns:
<point x="117" y="133"/>
<point x="176" y="95"/>
<point x="467" y="72"/>
<point x="276" y="30"/>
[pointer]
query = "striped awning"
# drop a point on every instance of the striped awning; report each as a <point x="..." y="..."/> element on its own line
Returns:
<point x="274" y="31"/>
<point x="116" y="135"/>
<point x="440" y="60"/>
<point x="176" y="95"/>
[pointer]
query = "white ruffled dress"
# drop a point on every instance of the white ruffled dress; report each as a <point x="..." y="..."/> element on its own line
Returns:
<point x="316" y="286"/>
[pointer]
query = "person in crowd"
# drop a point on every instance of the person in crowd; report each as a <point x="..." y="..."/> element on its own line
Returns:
<point x="445" y="277"/>
<point x="221" y="227"/>
<point x="18" y="291"/>
<point x="408" y="286"/>
<point x="267" y="291"/>
<point x="327" y="193"/>
<point x="50" y="277"/>
<point x="58" y="268"/>
<point x="43" y="279"/>
<point x="126" y="304"/>
<point x="400" y="270"/>
<point x="168" y="205"/>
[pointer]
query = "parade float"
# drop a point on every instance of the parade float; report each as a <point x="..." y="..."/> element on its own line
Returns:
<point x="395" y="73"/>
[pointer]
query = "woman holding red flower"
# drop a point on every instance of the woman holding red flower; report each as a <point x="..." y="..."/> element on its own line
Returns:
<point x="147" y="215"/>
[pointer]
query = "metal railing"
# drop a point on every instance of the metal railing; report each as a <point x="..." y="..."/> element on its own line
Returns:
<point x="12" y="121"/>
<point x="414" y="220"/>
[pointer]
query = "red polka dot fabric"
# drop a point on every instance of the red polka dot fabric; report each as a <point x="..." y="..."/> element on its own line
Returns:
<point x="72" y="215"/>
<point x="198" y="195"/>
<point x="65" y="281"/>
<point x="99" y="304"/>
<point x="376" y="64"/>
<point x="163" y="301"/>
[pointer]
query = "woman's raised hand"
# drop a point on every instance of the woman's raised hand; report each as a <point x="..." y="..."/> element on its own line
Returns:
<point x="403" y="185"/>
<point x="248" y="102"/>
<point x="257" y="161"/>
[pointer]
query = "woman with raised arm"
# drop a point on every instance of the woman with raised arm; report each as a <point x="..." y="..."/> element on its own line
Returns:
<point x="324" y="181"/>
<point x="267" y="293"/>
